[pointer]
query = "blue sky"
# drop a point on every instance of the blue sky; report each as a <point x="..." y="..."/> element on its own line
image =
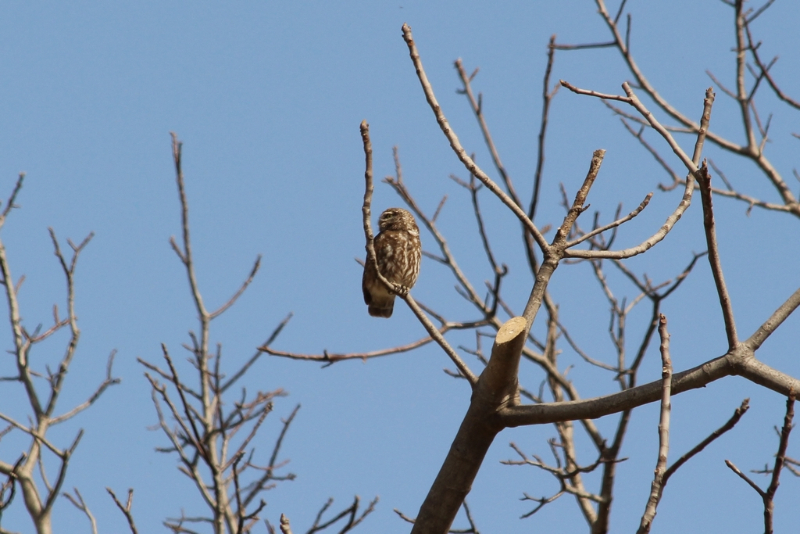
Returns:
<point x="267" y="98"/>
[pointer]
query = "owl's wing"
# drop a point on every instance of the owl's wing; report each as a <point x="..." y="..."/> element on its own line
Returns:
<point x="366" y="282"/>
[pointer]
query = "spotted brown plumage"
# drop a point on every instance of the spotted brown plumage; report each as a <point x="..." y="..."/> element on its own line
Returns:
<point x="398" y="252"/>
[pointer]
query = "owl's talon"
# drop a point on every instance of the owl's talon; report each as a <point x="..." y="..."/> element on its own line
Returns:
<point x="400" y="290"/>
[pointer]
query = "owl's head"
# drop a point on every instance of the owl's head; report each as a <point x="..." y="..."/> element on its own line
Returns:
<point x="397" y="219"/>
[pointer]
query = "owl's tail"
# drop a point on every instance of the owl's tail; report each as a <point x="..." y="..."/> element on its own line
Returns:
<point x="384" y="308"/>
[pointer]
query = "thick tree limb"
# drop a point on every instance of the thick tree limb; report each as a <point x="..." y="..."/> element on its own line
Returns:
<point x="496" y="389"/>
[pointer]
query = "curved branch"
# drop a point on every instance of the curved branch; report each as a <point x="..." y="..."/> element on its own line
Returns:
<point x="737" y="362"/>
<point x="330" y="359"/>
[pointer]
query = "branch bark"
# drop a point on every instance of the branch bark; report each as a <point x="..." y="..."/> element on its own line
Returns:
<point x="497" y="388"/>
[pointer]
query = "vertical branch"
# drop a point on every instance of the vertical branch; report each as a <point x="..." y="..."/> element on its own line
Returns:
<point x="702" y="133"/>
<point x="780" y="460"/>
<point x="547" y="98"/>
<point x="657" y="486"/>
<point x="741" y="69"/>
<point x="21" y="347"/>
<point x="566" y="429"/>
<point x="72" y="318"/>
<point x="211" y="454"/>
<point x="704" y="179"/>
<point x="368" y="189"/>
<point x="186" y="253"/>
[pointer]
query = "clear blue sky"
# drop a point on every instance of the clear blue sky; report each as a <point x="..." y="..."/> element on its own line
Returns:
<point x="267" y="98"/>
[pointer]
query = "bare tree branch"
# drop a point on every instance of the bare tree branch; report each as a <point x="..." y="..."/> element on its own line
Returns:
<point x="80" y="504"/>
<point x="657" y="487"/>
<point x="768" y="496"/>
<point x="125" y="509"/>
<point x="704" y="180"/>
<point x="737" y="414"/>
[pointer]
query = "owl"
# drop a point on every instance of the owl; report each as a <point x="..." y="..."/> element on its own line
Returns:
<point x="398" y="252"/>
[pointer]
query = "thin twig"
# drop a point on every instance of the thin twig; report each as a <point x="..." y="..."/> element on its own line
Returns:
<point x="737" y="415"/>
<point x="547" y="98"/>
<point x="477" y="109"/>
<point x="78" y="502"/>
<point x="657" y="487"/>
<point x="125" y="509"/>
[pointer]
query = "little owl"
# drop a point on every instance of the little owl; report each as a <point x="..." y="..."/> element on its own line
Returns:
<point x="398" y="253"/>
